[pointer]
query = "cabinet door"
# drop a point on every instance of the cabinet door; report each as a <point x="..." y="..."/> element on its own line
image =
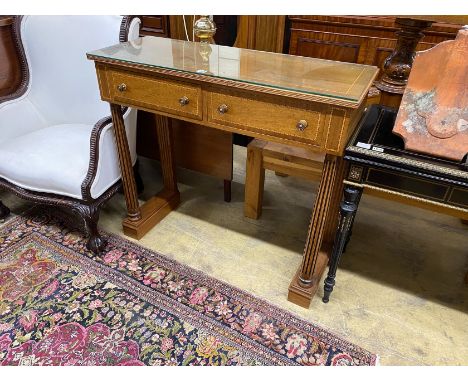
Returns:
<point x="329" y="46"/>
<point x="154" y="26"/>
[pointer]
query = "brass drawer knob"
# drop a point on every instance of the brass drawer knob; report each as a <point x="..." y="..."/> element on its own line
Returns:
<point x="122" y="87"/>
<point x="301" y="125"/>
<point x="183" y="101"/>
<point x="222" y="109"/>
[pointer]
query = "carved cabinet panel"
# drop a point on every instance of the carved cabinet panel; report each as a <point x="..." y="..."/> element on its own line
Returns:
<point x="154" y="26"/>
<point x="329" y="46"/>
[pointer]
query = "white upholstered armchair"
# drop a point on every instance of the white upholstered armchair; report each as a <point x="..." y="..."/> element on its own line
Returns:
<point x="57" y="143"/>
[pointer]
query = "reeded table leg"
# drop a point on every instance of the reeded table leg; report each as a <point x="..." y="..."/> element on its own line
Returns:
<point x="156" y="208"/>
<point x="141" y="219"/>
<point x="348" y="209"/>
<point x="125" y="161"/>
<point x="321" y="230"/>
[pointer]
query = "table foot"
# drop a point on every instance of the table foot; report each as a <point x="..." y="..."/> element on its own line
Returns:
<point x="152" y="212"/>
<point x="301" y="294"/>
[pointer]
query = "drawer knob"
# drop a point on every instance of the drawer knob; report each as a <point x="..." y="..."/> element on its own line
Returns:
<point x="183" y="101"/>
<point x="122" y="87"/>
<point x="301" y="125"/>
<point x="222" y="109"/>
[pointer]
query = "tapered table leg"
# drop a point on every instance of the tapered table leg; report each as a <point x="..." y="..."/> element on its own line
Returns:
<point x="125" y="161"/>
<point x="156" y="208"/>
<point x="254" y="180"/>
<point x="321" y="230"/>
<point x="348" y="209"/>
<point x="165" y="143"/>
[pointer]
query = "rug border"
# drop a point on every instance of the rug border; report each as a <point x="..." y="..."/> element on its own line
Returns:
<point x="252" y="296"/>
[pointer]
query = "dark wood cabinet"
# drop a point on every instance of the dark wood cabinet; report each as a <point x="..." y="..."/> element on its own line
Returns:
<point x="359" y="39"/>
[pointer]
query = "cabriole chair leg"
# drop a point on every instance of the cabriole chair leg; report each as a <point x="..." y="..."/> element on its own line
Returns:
<point x="90" y="214"/>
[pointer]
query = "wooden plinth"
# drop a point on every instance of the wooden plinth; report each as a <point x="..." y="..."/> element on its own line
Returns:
<point x="152" y="212"/>
<point x="302" y="295"/>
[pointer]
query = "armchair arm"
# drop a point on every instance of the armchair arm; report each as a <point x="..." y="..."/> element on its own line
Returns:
<point x="104" y="168"/>
<point x="94" y="156"/>
<point x="129" y="28"/>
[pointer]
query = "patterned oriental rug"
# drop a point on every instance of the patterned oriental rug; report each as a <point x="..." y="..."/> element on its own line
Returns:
<point x="62" y="305"/>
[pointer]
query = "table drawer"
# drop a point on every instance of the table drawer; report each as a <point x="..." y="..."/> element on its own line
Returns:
<point x="265" y="118"/>
<point x="172" y="97"/>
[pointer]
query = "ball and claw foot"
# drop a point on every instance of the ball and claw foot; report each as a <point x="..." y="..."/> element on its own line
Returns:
<point x="96" y="244"/>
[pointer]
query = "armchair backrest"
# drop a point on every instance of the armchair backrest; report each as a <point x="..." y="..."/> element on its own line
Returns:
<point x="63" y="84"/>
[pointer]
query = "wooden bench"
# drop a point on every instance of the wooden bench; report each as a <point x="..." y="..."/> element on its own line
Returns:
<point x="282" y="159"/>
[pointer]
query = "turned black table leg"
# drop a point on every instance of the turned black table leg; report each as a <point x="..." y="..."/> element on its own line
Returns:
<point x="348" y="209"/>
<point x="350" y="233"/>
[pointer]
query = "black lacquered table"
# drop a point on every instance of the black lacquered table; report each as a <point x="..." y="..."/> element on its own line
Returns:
<point x="379" y="165"/>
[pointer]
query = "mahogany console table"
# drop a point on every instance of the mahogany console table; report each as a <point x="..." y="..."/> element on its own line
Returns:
<point x="300" y="101"/>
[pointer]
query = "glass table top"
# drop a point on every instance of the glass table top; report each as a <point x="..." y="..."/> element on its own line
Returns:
<point x="294" y="73"/>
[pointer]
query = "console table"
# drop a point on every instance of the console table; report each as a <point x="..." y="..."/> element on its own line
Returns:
<point x="299" y="101"/>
